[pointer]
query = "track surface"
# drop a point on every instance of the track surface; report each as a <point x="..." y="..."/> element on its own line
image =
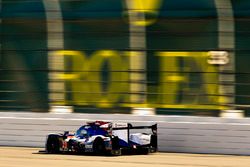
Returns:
<point x="29" y="157"/>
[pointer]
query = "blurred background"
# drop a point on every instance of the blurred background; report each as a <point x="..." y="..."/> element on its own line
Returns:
<point x="178" y="57"/>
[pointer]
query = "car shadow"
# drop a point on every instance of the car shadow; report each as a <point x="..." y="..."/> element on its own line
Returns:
<point x="124" y="153"/>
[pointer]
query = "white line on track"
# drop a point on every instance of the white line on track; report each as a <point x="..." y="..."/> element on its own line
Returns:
<point x="124" y="120"/>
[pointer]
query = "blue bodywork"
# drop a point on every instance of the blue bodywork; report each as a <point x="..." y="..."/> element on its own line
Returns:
<point x="90" y="130"/>
<point x="93" y="130"/>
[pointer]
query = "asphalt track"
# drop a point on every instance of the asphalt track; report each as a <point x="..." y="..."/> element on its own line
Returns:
<point x="30" y="157"/>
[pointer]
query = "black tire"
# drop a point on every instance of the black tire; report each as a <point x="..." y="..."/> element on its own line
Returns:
<point x="53" y="144"/>
<point x="99" y="147"/>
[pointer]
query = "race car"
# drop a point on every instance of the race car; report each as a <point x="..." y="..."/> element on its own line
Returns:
<point x="101" y="138"/>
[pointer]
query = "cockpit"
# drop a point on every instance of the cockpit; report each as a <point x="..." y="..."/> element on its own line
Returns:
<point x="82" y="132"/>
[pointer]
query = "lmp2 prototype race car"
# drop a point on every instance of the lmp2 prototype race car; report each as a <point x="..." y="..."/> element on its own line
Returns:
<point x="105" y="138"/>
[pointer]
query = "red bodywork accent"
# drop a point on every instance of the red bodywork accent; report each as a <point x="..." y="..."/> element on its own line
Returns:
<point x="97" y="123"/>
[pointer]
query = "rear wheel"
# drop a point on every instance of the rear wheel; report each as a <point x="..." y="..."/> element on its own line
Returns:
<point x="53" y="145"/>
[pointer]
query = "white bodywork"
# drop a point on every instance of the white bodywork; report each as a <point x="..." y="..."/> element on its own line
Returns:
<point x="122" y="134"/>
<point x="139" y="138"/>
